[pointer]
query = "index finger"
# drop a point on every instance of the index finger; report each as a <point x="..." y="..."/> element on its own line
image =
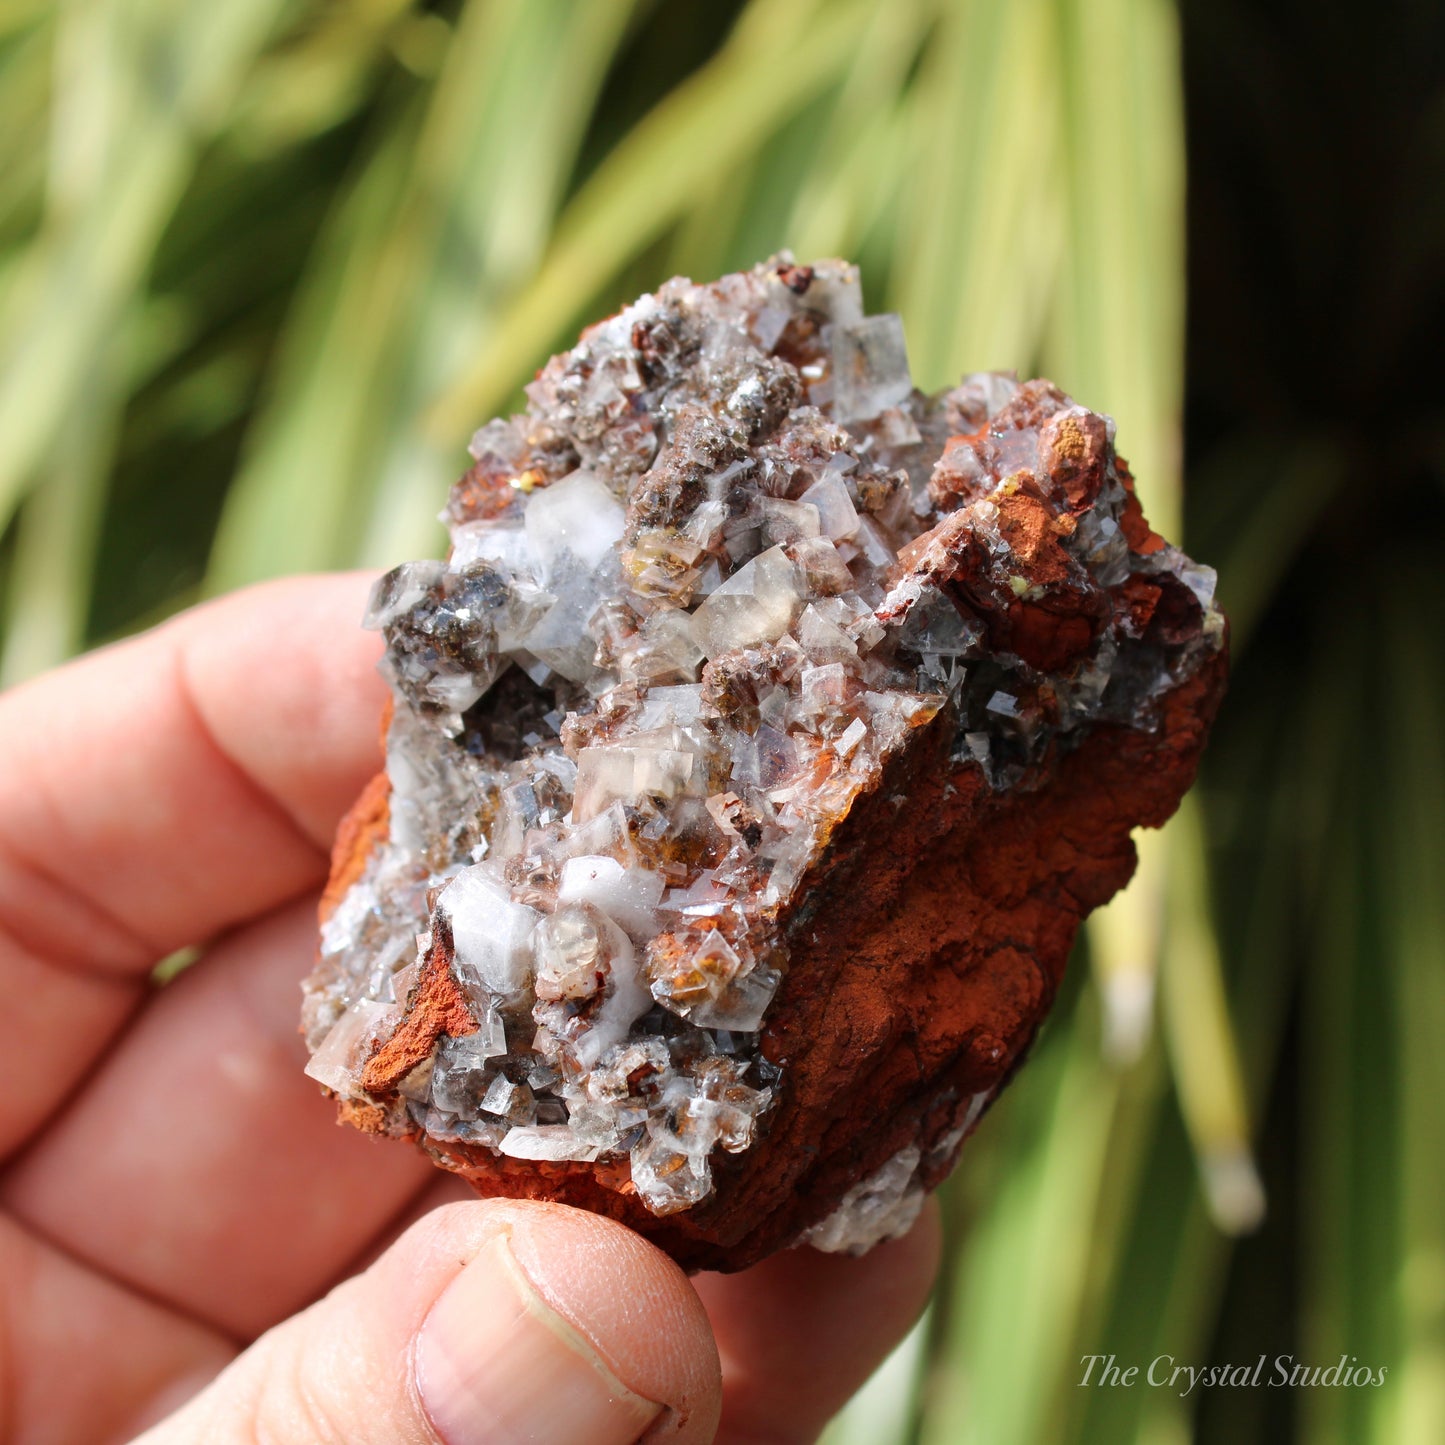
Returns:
<point x="161" y="791"/>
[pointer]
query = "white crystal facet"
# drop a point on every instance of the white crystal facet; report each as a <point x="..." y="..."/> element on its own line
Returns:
<point x="577" y="517"/>
<point x="342" y="1054"/>
<point x="490" y="933"/>
<point x="882" y="1206"/>
<point x="545" y="1141"/>
<point x="628" y="895"/>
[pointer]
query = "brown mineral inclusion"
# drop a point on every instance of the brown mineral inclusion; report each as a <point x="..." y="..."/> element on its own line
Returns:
<point x="745" y="795"/>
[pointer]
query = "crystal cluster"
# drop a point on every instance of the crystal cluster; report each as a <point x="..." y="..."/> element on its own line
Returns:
<point x="727" y="577"/>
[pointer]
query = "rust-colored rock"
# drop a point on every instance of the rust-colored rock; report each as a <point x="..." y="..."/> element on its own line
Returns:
<point x="736" y="916"/>
<point x="437" y="1006"/>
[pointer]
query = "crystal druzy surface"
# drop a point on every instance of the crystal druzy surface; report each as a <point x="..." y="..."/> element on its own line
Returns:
<point x="752" y="759"/>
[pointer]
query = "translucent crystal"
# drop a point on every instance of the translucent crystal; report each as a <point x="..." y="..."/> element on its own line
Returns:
<point x="491" y="934"/>
<point x="756" y="604"/>
<point x="726" y="1109"/>
<point x="838" y="290"/>
<point x="837" y="515"/>
<point x="740" y="1005"/>
<point x="559" y="638"/>
<point x="877" y="551"/>
<point x="497" y="541"/>
<point x="508" y="1100"/>
<point x="399" y="591"/>
<point x="607" y="775"/>
<point x="625" y="1001"/>
<point x="460" y="1076"/>
<point x="870" y="368"/>
<point x="942" y="637"/>
<point x="546" y="1141"/>
<point x="628" y="895"/>
<point x="701" y="973"/>
<point x="785" y="521"/>
<point x="604" y="835"/>
<point x="343" y="1053"/>
<point x="1200" y="580"/>
<point x="821" y="570"/>
<point x="766" y="758"/>
<point x="851" y="736"/>
<point x="662" y="564"/>
<point x="664" y="650"/>
<point x="1099" y="542"/>
<point x="667" y="1179"/>
<point x="883" y="1206"/>
<point x="572" y="530"/>
<point x="577" y="518"/>
<point x="569" y="956"/>
<point x="823" y="692"/>
<point x="666" y="706"/>
<point x="441" y="628"/>
<point x="824" y="641"/>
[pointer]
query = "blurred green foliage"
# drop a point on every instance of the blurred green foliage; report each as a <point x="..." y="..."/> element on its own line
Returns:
<point x="264" y="264"/>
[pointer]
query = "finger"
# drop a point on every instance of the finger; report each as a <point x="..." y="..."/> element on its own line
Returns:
<point x="162" y="790"/>
<point x="176" y="784"/>
<point x="200" y="1164"/>
<point x="802" y="1331"/>
<point x="55" y="1315"/>
<point x="55" y="1023"/>
<point x="494" y="1321"/>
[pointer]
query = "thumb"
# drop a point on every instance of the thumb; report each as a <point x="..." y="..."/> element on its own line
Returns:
<point x="493" y="1321"/>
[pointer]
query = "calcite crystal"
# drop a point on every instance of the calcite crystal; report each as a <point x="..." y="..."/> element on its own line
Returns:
<point x="753" y="758"/>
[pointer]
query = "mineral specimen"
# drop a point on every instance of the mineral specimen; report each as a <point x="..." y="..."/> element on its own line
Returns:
<point x="753" y="759"/>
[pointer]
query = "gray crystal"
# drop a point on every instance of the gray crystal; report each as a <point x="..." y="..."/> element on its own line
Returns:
<point x="870" y="368"/>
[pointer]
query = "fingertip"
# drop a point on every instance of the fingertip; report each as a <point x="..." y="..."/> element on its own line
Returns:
<point x="494" y="1361"/>
<point x="636" y="1311"/>
<point x="636" y="1307"/>
<point x="487" y="1321"/>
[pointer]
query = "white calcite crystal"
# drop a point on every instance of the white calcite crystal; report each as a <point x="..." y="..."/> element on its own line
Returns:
<point x="673" y="642"/>
<point x="882" y="1206"/>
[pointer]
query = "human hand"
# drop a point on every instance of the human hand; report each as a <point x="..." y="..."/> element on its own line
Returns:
<point x="173" y="1189"/>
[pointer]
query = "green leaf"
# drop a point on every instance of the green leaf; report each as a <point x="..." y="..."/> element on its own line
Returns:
<point x="782" y="53"/>
<point x="977" y="259"/>
<point x="443" y="222"/>
<point x="1410" y="829"/>
<point x="1116" y="335"/>
<point x="141" y="86"/>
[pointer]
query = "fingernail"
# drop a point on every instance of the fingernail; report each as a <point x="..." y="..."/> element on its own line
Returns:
<point x="495" y="1363"/>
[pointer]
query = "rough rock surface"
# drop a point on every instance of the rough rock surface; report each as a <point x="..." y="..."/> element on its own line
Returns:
<point x="753" y="760"/>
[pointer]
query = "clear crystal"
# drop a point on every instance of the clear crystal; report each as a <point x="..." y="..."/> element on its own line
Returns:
<point x="343" y="1053"/>
<point x="882" y="1206"/>
<point x="546" y="1141"/>
<point x="460" y="1075"/>
<point x="870" y="368"/>
<point x="756" y="604"/>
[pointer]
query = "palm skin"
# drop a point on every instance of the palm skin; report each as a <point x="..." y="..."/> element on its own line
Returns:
<point x="171" y="1186"/>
